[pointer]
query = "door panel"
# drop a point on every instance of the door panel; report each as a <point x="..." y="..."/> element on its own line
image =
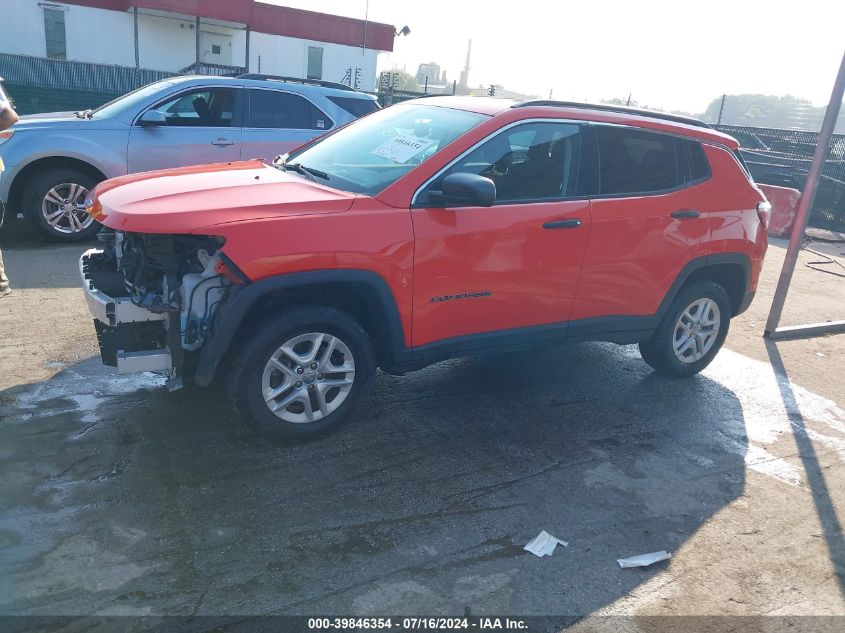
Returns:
<point x="202" y="127"/>
<point x="512" y="265"/>
<point x="162" y="147"/>
<point x="640" y="241"/>
<point x="636" y="250"/>
<point x="515" y="272"/>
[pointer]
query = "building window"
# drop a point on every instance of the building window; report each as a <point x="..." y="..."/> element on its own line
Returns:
<point x="54" y="32"/>
<point x="315" y="62"/>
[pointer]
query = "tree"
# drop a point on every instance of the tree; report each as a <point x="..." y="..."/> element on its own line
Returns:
<point x="757" y="110"/>
<point x="405" y="81"/>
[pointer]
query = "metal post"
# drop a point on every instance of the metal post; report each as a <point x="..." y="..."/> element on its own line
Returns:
<point x="197" y="29"/>
<point x="805" y="204"/>
<point x="366" y="20"/>
<point x="454" y="85"/>
<point x="630" y="94"/>
<point x="137" y="53"/>
<point x="425" y="90"/>
<point x="246" y="56"/>
<point x="721" y="109"/>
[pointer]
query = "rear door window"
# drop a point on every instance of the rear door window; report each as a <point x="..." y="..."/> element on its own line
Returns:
<point x="276" y="109"/>
<point x="636" y="162"/>
<point x="356" y="107"/>
<point x="693" y="163"/>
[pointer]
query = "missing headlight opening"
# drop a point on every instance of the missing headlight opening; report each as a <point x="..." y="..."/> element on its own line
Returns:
<point x="176" y="282"/>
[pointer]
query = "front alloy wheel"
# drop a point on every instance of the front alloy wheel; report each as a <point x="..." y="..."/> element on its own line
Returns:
<point x="63" y="208"/>
<point x="301" y="371"/>
<point x="308" y="377"/>
<point x="54" y="201"/>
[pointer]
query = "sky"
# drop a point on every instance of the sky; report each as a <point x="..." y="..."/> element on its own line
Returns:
<point x="674" y="55"/>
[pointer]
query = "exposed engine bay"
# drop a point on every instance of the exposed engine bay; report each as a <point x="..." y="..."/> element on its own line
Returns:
<point x="164" y="291"/>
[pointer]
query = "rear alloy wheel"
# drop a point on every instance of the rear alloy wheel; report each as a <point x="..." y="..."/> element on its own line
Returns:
<point x="696" y="330"/>
<point x="55" y="203"/>
<point x="691" y="332"/>
<point x="301" y="373"/>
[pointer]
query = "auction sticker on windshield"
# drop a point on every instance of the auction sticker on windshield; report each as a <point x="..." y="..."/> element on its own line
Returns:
<point x="402" y="147"/>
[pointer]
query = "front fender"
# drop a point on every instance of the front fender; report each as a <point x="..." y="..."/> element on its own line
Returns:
<point x="231" y="313"/>
<point x="103" y="149"/>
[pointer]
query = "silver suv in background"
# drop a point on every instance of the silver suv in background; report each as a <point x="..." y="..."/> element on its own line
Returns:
<point x="54" y="160"/>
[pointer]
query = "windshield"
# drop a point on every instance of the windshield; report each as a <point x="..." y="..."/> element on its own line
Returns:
<point x="129" y="100"/>
<point x="374" y="152"/>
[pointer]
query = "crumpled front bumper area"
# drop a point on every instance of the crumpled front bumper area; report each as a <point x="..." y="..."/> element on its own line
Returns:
<point x="130" y="337"/>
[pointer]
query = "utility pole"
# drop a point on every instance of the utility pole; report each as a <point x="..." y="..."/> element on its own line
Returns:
<point x="197" y="29"/>
<point x="721" y="109"/>
<point x="629" y="99"/>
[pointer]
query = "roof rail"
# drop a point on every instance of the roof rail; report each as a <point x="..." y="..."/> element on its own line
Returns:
<point x="608" y="107"/>
<point x="297" y="80"/>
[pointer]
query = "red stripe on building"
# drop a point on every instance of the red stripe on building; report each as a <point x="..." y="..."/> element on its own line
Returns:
<point x="268" y="18"/>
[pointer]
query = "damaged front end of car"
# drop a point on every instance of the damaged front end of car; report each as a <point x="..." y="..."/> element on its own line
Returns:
<point x="154" y="297"/>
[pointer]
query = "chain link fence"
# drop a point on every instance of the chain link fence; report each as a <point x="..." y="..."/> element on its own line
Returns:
<point x="40" y="85"/>
<point x="783" y="157"/>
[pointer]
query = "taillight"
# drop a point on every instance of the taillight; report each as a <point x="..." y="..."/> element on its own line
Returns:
<point x="764" y="212"/>
<point x="5" y="135"/>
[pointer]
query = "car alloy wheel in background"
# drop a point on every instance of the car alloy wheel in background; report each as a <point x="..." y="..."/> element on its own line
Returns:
<point x="63" y="208"/>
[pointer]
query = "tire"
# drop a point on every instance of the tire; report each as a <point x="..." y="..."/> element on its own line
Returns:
<point x="254" y="374"/>
<point x="659" y="351"/>
<point x="57" y="183"/>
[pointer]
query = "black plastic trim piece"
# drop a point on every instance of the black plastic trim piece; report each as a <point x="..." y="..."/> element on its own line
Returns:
<point x="231" y="313"/>
<point x="607" y="107"/>
<point x="622" y="329"/>
<point x="296" y="80"/>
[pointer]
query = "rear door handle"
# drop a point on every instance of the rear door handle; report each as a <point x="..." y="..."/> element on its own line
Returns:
<point x="685" y="213"/>
<point x="223" y="141"/>
<point x="563" y="224"/>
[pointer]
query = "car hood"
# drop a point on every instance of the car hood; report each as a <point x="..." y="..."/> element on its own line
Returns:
<point x="187" y="199"/>
<point x="62" y="120"/>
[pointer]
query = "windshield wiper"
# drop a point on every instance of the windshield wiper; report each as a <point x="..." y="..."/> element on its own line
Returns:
<point x="308" y="172"/>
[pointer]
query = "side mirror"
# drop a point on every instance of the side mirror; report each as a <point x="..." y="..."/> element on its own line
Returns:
<point x="468" y="190"/>
<point x="152" y="118"/>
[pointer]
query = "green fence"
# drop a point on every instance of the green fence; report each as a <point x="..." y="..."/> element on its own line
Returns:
<point x="52" y="85"/>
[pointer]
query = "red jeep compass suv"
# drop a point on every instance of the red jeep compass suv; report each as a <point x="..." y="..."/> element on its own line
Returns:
<point x="432" y="229"/>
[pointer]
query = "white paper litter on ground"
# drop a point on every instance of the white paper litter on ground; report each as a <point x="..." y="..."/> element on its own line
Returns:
<point x="544" y="544"/>
<point x="644" y="560"/>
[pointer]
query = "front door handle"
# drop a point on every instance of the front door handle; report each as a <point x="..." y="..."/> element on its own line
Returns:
<point x="563" y="224"/>
<point x="680" y="214"/>
<point x="222" y="142"/>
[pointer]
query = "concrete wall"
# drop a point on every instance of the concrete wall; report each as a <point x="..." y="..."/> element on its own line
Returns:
<point x="107" y="37"/>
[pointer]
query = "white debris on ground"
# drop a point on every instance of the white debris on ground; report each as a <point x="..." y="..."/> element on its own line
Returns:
<point x="544" y="544"/>
<point x="644" y="560"/>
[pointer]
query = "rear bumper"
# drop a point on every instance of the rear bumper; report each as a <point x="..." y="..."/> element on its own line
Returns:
<point x="130" y="337"/>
